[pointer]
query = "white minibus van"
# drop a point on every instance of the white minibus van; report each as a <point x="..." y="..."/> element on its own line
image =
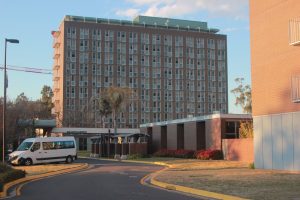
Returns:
<point x="44" y="150"/>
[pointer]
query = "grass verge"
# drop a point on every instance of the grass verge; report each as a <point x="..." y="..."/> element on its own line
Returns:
<point x="233" y="178"/>
<point x="8" y="174"/>
<point x="83" y="153"/>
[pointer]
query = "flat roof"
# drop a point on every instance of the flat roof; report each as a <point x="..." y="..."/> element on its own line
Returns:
<point x="198" y="119"/>
<point x="94" y="130"/>
<point x="146" y="21"/>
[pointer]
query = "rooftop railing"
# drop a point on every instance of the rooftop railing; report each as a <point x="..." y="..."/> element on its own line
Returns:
<point x="185" y="25"/>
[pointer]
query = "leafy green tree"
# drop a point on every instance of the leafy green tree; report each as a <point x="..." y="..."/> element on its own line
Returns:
<point x="46" y="99"/>
<point x="243" y="95"/>
<point x="21" y="98"/>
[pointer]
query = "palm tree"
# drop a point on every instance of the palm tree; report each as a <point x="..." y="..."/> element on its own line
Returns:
<point x="117" y="98"/>
<point x="112" y="102"/>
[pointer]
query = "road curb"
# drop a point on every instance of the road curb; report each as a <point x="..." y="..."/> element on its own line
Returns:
<point x="24" y="180"/>
<point x="188" y="190"/>
<point x="129" y="161"/>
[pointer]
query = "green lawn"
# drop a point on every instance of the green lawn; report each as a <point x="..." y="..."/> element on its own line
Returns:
<point x="83" y="153"/>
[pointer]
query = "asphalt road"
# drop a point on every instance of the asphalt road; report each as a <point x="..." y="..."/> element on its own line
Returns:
<point x="103" y="180"/>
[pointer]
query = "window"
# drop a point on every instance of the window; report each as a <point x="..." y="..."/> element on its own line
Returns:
<point x="232" y="129"/>
<point x="36" y="146"/>
<point x="296" y="89"/>
<point x="58" y="145"/>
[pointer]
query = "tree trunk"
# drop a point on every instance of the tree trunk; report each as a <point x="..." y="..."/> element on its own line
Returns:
<point x="103" y="122"/>
<point x="115" y="122"/>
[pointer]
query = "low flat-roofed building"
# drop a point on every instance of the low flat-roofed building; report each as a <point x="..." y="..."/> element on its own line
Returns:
<point x="194" y="133"/>
<point x="83" y="136"/>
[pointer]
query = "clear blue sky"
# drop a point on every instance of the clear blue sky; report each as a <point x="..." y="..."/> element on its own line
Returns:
<point x="32" y="21"/>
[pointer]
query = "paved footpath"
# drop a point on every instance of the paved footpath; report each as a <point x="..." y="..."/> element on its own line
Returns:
<point x="103" y="180"/>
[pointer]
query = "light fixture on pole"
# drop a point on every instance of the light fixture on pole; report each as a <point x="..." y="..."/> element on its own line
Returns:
<point x="4" y="97"/>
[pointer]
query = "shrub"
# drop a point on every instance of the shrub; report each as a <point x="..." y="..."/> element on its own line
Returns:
<point x="8" y="174"/>
<point x="246" y="129"/>
<point x="181" y="153"/>
<point x="164" y="153"/>
<point x="137" y="156"/>
<point x="251" y="166"/>
<point x="209" y="154"/>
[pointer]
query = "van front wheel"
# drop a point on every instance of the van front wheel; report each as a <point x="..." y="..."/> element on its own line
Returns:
<point x="28" y="162"/>
<point x="69" y="159"/>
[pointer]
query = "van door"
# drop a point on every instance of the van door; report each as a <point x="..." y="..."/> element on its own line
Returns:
<point x="36" y="153"/>
<point x="48" y="150"/>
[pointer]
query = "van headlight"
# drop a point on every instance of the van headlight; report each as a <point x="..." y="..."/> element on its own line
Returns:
<point x="12" y="158"/>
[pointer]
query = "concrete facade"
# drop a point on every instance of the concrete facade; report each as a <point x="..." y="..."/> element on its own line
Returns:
<point x="276" y="141"/>
<point x="274" y="30"/>
<point x="172" y="136"/>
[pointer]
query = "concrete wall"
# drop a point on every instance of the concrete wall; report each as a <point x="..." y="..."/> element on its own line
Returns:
<point x="172" y="136"/>
<point x="213" y="134"/>
<point x="238" y="149"/>
<point x="276" y="141"/>
<point x="190" y="136"/>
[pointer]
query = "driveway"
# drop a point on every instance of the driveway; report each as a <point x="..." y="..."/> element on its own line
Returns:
<point x="103" y="180"/>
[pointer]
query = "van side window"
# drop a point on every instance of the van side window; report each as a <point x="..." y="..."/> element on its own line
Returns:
<point x="58" y="145"/>
<point x="48" y="145"/>
<point x="36" y="146"/>
<point x="69" y="145"/>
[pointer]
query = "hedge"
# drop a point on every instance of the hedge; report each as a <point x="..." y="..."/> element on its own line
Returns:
<point x="8" y="174"/>
<point x="181" y="153"/>
<point x="209" y="154"/>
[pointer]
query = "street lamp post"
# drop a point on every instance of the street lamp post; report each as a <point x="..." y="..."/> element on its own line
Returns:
<point x="4" y="97"/>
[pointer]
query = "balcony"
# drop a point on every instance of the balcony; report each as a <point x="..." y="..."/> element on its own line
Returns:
<point x="56" y="44"/>
<point x="56" y="77"/>
<point x="294" y="32"/>
<point x="56" y="66"/>
<point x="295" y="90"/>
<point x="55" y="34"/>
<point x="56" y="55"/>
<point x="56" y="89"/>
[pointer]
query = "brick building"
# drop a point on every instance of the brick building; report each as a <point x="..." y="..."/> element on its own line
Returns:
<point x="176" y="68"/>
<point x="275" y="29"/>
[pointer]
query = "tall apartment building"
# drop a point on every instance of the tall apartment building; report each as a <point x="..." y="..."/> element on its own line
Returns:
<point x="176" y="68"/>
<point x="275" y="50"/>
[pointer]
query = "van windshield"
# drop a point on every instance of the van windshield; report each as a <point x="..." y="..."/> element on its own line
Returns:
<point x="24" y="146"/>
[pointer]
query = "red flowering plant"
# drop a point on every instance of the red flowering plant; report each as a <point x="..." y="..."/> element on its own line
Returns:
<point x="209" y="154"/>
